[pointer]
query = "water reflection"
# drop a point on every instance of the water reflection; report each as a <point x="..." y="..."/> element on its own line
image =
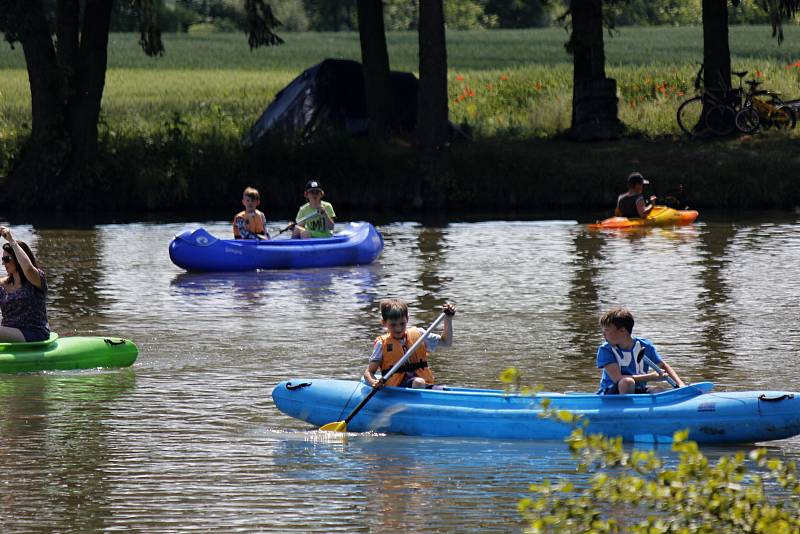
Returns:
<point x="181" y="444"/>
<point x="583" y="298"/>
<point x="73" y="261"/>
<point x="400" y="477"/>
<point x="714" y="242"/>
<point x="433" y="248"/>
<point x="54" y="429"/>
<point x="253" y="285"/>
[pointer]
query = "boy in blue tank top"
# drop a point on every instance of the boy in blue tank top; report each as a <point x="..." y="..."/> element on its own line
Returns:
<point x="620" y="357"/>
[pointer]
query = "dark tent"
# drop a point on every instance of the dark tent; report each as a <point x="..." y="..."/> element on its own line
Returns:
<point x="330" y="96"/>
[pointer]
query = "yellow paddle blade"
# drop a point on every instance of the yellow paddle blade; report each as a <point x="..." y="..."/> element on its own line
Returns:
<point x="338" y="426"/>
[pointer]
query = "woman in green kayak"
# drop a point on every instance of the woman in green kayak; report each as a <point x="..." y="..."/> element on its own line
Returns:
<point x="22" y="294"/>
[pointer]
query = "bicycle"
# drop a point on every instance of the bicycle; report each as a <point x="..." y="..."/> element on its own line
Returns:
<point x="710" y="112"/>
<point x="759" y="113"/>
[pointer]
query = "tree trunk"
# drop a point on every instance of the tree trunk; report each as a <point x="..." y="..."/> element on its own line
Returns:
<point x="716" y="52"/>
<point x="87" y="89"/>
<point x="375" y="60"/>
<point x="432" y="111"/>
<point x="43" y="74"/>
<point x="594" y="97"/>
<point x="57" y="162"/>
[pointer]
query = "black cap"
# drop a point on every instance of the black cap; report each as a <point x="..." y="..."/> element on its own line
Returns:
<point x="313" y="184"/>
<point x="636" y="178"/>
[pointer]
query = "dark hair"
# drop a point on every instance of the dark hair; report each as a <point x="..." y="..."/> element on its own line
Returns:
<point x="251" y="192"/>
<point x="24" y="246"/>
<point x="393" y="309"/>
<point x="619" y="317"/>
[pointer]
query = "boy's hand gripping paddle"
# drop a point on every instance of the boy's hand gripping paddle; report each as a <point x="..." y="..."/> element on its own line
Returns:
<point x="656" y="368"/>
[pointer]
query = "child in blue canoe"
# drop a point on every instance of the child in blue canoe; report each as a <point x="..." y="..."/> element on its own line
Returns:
<point x="250" y="223"/>
<point x="392" y="346"/>
<point x="620" y="357"/>
<point x="320" y="226"/>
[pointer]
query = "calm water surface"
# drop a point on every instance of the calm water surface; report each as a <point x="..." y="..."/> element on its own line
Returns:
<point x="188" y="438"/>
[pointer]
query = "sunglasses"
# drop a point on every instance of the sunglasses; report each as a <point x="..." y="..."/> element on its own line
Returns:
<point x="7" y="259"/>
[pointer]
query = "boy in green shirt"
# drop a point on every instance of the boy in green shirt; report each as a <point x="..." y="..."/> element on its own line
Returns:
<point x="321" y="226"/>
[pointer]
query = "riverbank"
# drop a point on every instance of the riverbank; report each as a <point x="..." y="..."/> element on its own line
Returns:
<point x="500" y="175"/>
<point x="170" y="128"/>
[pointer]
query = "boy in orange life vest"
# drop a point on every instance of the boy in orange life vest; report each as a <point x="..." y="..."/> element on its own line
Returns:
<point x="250" y="223"/>
<point x="391" y="347"/>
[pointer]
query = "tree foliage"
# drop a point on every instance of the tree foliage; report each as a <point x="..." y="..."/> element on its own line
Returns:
<point x="631" y="490"/>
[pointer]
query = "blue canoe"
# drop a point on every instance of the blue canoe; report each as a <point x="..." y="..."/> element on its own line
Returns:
<point x="730" y="417"/>
<point x="357" y="243"/>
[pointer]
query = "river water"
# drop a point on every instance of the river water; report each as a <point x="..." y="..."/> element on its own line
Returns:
<point x="189" y="439"/>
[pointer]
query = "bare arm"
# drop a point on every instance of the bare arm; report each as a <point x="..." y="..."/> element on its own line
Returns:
<point x="643" y="209"/>
<point x="447" y="328"/>
<point x="369" y="374"/>
<point x="613" y="371"/>
<point x="30" y="272"/>
<point x="667" y="369"/>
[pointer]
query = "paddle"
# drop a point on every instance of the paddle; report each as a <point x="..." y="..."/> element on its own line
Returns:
<point x="657" y="369"/>
<point x="312" y="215"/>
<point x="341" y="426"/>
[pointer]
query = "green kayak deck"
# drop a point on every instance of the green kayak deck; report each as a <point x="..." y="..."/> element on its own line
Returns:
<point x="58" y="353"/>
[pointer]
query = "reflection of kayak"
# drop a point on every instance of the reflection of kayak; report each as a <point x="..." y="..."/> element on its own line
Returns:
<point x="742" y="416"/>
<point x="66" y="353"/>
<point x="659" y="216"/>
<point x="357" y="243"/>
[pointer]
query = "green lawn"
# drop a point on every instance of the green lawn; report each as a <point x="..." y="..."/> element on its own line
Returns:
<point x="508" y="83"/>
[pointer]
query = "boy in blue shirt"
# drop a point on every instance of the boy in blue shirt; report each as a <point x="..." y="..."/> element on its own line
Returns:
<point x="624" y="370"/>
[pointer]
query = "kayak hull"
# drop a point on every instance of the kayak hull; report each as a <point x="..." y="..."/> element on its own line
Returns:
<point x="61" y="353"/>
<point x="659" y="216"/>
<point x="357" y="243"/>
<point x="735" y="417"/>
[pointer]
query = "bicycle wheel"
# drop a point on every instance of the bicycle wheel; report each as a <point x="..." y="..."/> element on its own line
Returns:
<point x="783" y="118"/>
<point x="690" y="116"/>
<point x="721" y="120"/>
<point x="747" y="120"/>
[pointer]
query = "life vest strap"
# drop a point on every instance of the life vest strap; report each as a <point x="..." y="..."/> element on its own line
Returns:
<point x="408" y="367"/>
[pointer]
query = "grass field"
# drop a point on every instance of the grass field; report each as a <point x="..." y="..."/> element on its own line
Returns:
<point x="506" y="83"/>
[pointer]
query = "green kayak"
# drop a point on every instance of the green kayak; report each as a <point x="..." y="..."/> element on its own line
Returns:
<point x="66" y="353"/>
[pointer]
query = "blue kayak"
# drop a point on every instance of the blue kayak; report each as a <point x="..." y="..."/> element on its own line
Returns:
<point x="730" y="417"/>
<point x="357" y="243"/>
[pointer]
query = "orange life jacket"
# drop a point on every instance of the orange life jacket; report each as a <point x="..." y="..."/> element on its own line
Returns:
<point x="393" y="352"/>
<point x="253" y="221"/>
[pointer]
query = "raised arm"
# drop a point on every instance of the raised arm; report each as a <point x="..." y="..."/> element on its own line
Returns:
<point x="447" y="329"/>
<point x="30" y="272"/>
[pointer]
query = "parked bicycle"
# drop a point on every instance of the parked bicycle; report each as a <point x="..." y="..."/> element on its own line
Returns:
<point x="711" y="112"/>
<point x="764" y="109"/>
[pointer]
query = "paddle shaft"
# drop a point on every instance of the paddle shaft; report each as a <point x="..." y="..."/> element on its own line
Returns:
<point x="312" y="215"/>
<point x="660" y="372"/>
<point x="396" y="366"/>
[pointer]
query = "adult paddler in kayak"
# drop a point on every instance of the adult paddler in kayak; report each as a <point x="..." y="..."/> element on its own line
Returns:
<point x="23" y="293"/>
<point x="632" y="203"/>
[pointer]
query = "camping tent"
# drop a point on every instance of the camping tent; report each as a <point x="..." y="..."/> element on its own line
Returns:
<point x="330" y="97"/>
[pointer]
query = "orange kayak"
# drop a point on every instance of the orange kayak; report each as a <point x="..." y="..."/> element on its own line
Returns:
<point x="659" y="216"/>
